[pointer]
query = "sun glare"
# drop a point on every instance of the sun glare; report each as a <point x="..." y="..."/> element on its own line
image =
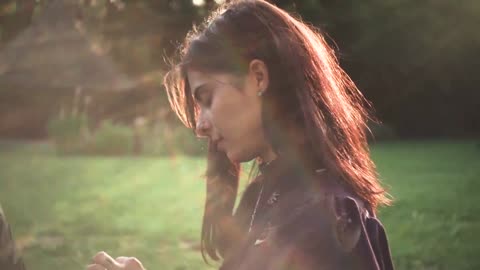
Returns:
<point x="198" y="2"/>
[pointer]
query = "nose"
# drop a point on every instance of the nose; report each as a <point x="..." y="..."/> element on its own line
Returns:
<point x="203" y="127"/>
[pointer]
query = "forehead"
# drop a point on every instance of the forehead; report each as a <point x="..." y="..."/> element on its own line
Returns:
<point x="198" y="78"/>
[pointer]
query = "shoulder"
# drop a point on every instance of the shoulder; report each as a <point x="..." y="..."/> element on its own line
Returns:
<point x="328" y="226"/>
<point x="330" y="215"/>
<point x="320" y="210"/>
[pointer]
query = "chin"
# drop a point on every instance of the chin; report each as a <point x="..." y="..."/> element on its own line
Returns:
<point x="239" y="157"/>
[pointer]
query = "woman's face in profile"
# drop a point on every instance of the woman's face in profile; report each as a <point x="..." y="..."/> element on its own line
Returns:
<point x="230" y="112"/>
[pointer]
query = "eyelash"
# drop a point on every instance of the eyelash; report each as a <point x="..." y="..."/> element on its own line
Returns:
<point x="205" y="100"/>
<point x="208" y="101"/>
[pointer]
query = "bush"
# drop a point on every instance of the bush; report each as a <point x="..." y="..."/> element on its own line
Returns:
<point x="380" y="132"/>
<point x="163" y="139"/>
<point x="69" y="133"/>
<point x="111" y="139"/>
<point x="187" y="143"/>
<point x="71" y="136"/>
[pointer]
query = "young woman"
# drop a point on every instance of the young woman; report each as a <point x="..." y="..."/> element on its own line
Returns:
<point x="261" y="85"/>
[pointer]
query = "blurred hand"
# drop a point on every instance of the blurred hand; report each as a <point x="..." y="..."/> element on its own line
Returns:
<point x="102" y="261"/>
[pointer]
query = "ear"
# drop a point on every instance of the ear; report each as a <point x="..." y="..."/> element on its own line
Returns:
<point x="258" y="71"/>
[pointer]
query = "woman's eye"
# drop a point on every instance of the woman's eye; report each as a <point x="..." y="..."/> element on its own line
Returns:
<point x="204" y="98"/>
<point x="208" y="101"/>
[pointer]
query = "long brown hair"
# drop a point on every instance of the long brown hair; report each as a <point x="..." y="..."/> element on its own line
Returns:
<point x="312" y="109"/>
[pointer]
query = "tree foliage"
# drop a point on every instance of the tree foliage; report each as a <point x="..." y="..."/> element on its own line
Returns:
<point x="415" y="60"/>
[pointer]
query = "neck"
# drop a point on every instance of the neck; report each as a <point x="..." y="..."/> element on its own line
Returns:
<point x="267" y="156"/>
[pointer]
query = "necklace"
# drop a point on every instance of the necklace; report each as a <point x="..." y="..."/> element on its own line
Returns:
<point x="258" y="200"/>
<point x="255" y="209"/>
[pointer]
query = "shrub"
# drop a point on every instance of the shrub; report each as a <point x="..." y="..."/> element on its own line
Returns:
<point x="69" y="133"/>
<point x="163" y="139"/>
<point x="71" y="136"/>
<point x="111" y="139"/>
<point x="380" y="132"/>
<point x="187" y="143"/>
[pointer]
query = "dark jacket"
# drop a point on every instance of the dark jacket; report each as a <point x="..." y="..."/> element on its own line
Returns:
<point x="306" y="221"/>
<point x="9" y="259"/>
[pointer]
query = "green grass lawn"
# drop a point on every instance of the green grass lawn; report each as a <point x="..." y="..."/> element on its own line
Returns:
<point x="65" y="209"/>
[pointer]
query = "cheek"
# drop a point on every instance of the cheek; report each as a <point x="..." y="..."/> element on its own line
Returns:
<point x="236" y="117"/>
<point x="239" y="122"/>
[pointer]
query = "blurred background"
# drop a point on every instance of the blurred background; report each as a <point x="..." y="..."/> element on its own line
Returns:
<point x="92" y="158"/>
